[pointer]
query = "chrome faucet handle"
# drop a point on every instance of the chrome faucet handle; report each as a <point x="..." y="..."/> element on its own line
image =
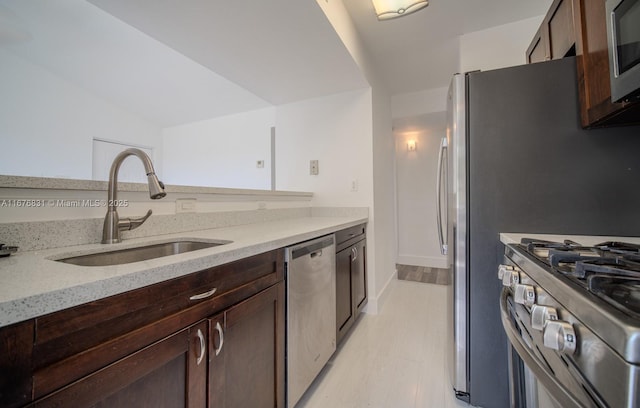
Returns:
<point x="127" y="224"/>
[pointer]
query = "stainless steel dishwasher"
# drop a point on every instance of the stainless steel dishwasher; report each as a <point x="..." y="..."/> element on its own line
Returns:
<point x="311" y="312"/>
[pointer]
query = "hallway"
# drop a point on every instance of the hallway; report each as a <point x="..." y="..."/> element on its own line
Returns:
<point x="394" y="359"/>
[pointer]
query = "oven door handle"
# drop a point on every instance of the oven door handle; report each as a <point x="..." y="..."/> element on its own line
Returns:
<point x="542" y="373"/>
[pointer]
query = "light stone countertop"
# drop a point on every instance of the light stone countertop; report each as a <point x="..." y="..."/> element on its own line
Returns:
<point x="586" y="240"/>
<point x="33" y="284"/>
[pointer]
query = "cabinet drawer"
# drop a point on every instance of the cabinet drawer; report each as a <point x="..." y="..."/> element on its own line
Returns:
<point x="89" y="336"/>
<point x="348" y="234"/>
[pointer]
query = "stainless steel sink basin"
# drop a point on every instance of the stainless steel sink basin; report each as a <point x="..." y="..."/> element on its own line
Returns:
<point x="140" y="253"/>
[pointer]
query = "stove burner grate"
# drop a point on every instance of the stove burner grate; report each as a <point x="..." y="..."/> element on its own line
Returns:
<point x="621" y="292"/>
<point x="609" y="270"/>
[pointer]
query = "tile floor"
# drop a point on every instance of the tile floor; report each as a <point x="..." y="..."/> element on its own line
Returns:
<point x="393" y="359"/>
<point x="424" y="274"/>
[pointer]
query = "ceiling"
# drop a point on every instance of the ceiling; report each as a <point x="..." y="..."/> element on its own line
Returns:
<point x="240" y="55"/>
<point x="419" y="51"/>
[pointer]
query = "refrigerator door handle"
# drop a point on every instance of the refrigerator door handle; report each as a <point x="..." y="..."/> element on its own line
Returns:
<point x="442" y="174"/>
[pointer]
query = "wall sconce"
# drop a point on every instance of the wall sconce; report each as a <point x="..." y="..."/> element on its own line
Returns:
<point x="412" y="145"/>
<point x="387" y="9"/>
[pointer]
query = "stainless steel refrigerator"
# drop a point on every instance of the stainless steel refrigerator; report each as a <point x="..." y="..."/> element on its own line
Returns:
<point x="515" y="159"/>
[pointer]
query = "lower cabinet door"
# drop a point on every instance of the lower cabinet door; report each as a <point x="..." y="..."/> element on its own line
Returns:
<point x="169" y="373"/>
<point x="246" y="352"/>
<point x="344" y="293"/>
<point x="359" y="276"/>
<point x="351" y="286"/>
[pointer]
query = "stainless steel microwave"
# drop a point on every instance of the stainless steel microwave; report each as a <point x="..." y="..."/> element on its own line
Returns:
<point x="623" y="35"/>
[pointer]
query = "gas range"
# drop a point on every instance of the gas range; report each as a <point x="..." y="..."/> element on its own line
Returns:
<point x="575" y="310"/>
<point x="609" y="270"/>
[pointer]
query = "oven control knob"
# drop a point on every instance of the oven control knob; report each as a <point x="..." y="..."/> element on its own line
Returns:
<point x="541" y="314"/>
<point x="502" y="269"/>
<point x="559" y="335"/>
<point x="510" y="278"/>
<point x="525" y="295"/>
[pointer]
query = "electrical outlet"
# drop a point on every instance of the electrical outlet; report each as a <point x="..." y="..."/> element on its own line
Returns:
<point x="260" y="164"/>
<point x="354" y="185"/>
<point x="314" y="169"/>
<point x="185" y="205"/>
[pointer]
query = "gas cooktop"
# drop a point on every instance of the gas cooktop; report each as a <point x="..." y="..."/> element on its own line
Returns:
<point x="610" y="269"/>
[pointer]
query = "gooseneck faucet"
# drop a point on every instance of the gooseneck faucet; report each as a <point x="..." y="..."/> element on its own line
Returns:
<point x="112" y="223"/>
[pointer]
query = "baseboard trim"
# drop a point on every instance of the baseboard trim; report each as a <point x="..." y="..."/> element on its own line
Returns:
<point x="375" y="304"/>
<point x="427" y="261"/>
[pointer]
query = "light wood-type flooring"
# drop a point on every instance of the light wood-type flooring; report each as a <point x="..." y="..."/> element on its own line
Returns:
<point x="424" y="274"/>
<point x="394" y="359"/>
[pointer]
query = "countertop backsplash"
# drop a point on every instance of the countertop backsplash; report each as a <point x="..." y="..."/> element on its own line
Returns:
<point x="43" y="213"/>
<point x="39" y="235"/>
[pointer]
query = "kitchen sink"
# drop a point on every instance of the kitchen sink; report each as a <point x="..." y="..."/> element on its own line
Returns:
<point x="140" y="253"/>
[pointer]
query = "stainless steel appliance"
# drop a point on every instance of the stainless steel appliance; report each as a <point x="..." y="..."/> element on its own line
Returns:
<point x="311" y="312"/>
<point x="516" y="159"/>
<point x="451" y="197"/>
<point x="623" y="36"/>
<point x="572" y="314"/>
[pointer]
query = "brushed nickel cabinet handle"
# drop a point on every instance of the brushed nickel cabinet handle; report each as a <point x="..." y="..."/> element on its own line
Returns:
<point x="354" y="250"/>
<point x="221" y="334"/>
<point x="203" y="350"/>
<point x="203" y="295"/>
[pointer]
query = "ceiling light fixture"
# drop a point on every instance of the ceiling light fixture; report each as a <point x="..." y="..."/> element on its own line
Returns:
<point x="387" y="9"/>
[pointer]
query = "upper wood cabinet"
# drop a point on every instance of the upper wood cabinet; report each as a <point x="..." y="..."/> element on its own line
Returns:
<point x="556" y="36"/>
<point x="578" y="27"/>
<point x="538" y="50"/>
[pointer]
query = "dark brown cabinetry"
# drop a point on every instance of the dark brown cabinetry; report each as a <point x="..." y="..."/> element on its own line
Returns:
<point x="594" y="86"/>
<point x="247" y="342"/>
<point x="578" y="27"/>
<point x="538" y="49"/>
<point x="168" y="373"/>
<point x="556" y="37"/>
<point x="153" y="344"/>
<point x="351" y="278"/>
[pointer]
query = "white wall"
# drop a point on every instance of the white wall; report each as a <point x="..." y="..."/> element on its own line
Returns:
<point x="497" y="47"/>
<point x="381" y="233"/>
<point x="416" y="180"/>
<point x="414" y="104"/>
<point x="202" y="153"/>
<point x="36" y="103"/>
<point x="336" y="131"/>
<point x="384" y="211"/>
